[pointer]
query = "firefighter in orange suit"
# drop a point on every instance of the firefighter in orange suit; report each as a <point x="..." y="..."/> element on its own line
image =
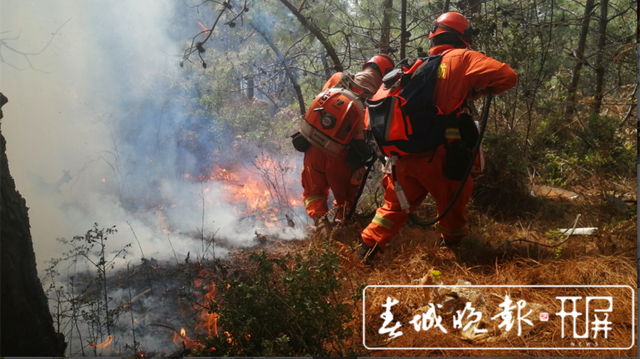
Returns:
<point x="323" y="171"/>
<point x="463" y="74"/>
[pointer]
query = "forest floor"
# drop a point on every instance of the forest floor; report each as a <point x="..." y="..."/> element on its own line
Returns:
<point x="493" y="254"/>
<point x="505" y="254"/>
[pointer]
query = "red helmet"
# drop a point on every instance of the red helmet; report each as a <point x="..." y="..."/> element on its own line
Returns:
<point x="455" y="23"/>
<point x="382" y="63"/>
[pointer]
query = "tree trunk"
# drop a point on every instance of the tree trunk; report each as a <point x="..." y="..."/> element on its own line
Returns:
<point x="602" y="38"/>
<point x="316" y="32"/>
<point x="385" y="34"/>
<point x="446" y="7"/>
<point x="27" y="326"/>
<point x="403" y="29"/>
<point x="325" y="65"/>
<point x="579" y="54"/>
<point x="290" y="74"/>
<point x="473" y="7"/>
<point x="250" y="86"/>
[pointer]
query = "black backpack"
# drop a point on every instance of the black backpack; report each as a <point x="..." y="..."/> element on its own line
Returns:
<point x="401" y="116"/>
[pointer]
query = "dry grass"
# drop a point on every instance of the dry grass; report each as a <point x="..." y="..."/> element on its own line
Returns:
<point x="491" y="256"/>
<point x="487" y="257"/>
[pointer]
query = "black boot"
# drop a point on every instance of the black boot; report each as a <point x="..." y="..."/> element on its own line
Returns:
<point x="450" y="244"/>
<point x="367" y="253"/>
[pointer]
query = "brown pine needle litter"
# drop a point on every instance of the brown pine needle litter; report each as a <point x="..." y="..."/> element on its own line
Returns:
<point x="491" y="255"/>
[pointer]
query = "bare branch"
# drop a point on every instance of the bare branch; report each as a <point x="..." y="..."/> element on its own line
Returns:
<point x="199" y="45"/>
<point x="26" y="55"/>
<point x="317" y="33"/>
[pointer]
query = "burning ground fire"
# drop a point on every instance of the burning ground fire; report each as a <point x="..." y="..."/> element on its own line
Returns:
<point x="255" y="200"/>
<point x="264" y="194"/>
<point x="242" y="189"/>
<point x="103" y="344"/>
<point x="207" y="321"/>
<point x="251" y="196"/>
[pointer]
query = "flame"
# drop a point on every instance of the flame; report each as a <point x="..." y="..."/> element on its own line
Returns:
<point x="204" y="28"/>
<point x="209" y="320"/>
<point x="262" y="191"/>
<point x="242" y="188"/>
<point x="103" y="344"/>
<point x="232" y="341"/>
<point x="103" y="180"/>
<point x="162" y="220"/>
<point x="182" y="340"/>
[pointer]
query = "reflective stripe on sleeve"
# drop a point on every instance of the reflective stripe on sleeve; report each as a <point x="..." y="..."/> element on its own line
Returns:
<point x="313" y="198"/>
<point x="383" y="222"/>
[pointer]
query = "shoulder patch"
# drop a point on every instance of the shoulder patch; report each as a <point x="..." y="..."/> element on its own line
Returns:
<point x="442" y="71"/>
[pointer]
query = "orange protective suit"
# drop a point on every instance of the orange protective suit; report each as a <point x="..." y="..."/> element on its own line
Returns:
<point x="461" y="72"/>
<point x="323" y="171"/>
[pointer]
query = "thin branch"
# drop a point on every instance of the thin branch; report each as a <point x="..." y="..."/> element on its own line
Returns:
<point x="317" y="33"/>
<point x="27" y="54"/>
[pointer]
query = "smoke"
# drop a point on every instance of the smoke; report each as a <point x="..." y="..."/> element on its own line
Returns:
<point x="95" y="89"/>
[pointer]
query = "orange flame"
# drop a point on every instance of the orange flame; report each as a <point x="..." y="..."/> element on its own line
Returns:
<point x="254" y="192"/>
<point x="204" y="28"/>
<point x="242" y="188"/>
<point x="209" y="320"/>
<point x="162" y="220"/>
<point x="182" y="339"/>
<point x="103" y="344"/>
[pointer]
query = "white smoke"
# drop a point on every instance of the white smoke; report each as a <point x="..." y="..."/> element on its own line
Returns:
<point x="100" y="102"/>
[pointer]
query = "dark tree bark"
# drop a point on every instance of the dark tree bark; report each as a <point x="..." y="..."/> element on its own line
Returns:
<point x="446" y="6"/>
<point x="602" y="38"/>
<point x="27" y="326"/>
<point x="316" y="32"/>
<point x="579" y="55"/>
<point x="250" y="86"/>
<point x="403" y="29"/>
<point x="290" y="74"/>
<point x="385" y="33"/>
<point x="473" y="7"/>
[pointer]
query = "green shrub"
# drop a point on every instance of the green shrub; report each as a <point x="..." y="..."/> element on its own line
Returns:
<point x="282" y="307"/>
<point x="504" y="185"/>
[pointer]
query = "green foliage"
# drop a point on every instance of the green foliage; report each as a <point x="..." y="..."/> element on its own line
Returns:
<point x="555" y="235"/>
<point x="283" y="307"/>
<point x="528" y="129"/>
<point x="504" y="184"/>
<point x="557" y="253"/>
<point x="605" y="150"/>
<point x="598" y="148"/>
<point x="436" y="274"/>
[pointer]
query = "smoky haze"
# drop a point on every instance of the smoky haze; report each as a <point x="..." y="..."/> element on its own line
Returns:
<point x="93" y="122"/>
